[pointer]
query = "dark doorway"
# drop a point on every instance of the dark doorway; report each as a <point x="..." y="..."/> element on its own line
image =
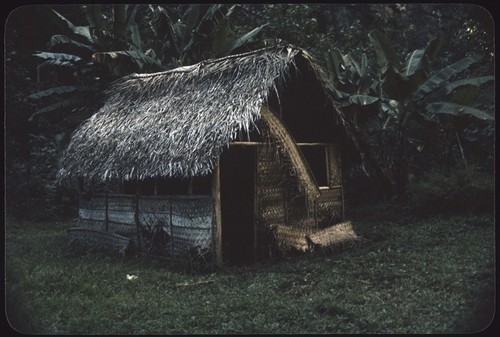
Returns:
<point x="237" y="174"/>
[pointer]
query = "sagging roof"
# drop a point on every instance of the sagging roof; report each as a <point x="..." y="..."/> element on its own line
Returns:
<point x="176" y="123"/>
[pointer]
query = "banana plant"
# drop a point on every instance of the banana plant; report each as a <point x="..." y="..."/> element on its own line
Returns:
<point x="201" y="32"/>
<point x="79" y="62"/>
<point x="405" y="91"/>
<point x="354" y="84"/>
<point x="355" y="88"/>
<point x="132" y="38"/>
<point x="398" y="93"/>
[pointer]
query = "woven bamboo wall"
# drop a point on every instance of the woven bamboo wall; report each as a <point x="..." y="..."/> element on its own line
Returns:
<point x="280" y="200"/>
<point x="183" y="224"/>
<point x="270" y="189"/>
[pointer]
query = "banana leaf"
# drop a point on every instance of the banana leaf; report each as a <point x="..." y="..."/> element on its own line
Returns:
<point x="119" y="22"/>
<point x="56" y="90"/>
<point x="211" y="12"/>
<point x="334" y="61"/>
<point x="395" y="84"/>
<point x="476" y="81"/>
<point x="133" y="13"/>
<point x="465" y="95"/>
<point x="329" y="64"/>
<point x="340" y="94"/>
<point x="415" y="62"/>
<point x="58" y="56"/>
<point x="212" y="17"/>
<point x="240" y="41"/>
<point x="220" y="37"/>
<point x="170" y="31"/>
<point x="56" y="63"/>
<point x="78" y="30"/>
<point x="180" y="34"/>
<point x="193" y="13"/>
<point x="133" y="28"/>
<point x="57" y="106"/>
<point x="135" y="35"/>
<point x="354" y="64"/>
<point x="364" y="66"/>
<point x="457" y="110"/>
<point x="363" y="99"/>
<point x="384" y="50"/>
<point x="444" y="75"/>
<point x="419" y="58"/>
<point x="140" y="59"/>
<point x="57" y="40"/>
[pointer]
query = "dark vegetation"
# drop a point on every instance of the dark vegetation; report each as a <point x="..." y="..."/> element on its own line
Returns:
<point x="416" y="84"/>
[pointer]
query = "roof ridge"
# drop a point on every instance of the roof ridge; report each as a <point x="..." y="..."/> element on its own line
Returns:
<point x="191" y="67"/>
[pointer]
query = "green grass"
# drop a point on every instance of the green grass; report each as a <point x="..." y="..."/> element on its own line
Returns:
<point x="411" y="276"/>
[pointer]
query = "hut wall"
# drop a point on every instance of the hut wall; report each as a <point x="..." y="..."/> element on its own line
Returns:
<point x="270" y="188"/>
<point x="327" y="209"/>
<point x="281" y="201"/>
<point x="170" y="226"/>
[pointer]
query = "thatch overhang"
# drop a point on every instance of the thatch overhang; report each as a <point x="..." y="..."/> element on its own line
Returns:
<point x="176" y="123"/>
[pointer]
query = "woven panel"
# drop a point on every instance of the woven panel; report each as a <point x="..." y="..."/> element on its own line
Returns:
<point x="94" y="202"/>
<point x="171" y="226"/>
<point x="91" y="224"/>
<point x="280" y="197"/>
<point x="291" y="237"/>
<point x="121" y="210"/>
<point x="337" y="234"/>
<point x="188" y="240"/>
<point x="121" y="203"/>
<point x="153" y="212"/>
<point x="123" y="229"/>
<point x="192" y="209"/>
<point x="270" y="189"/>
<point x="329" y="207"/>
<point x="191" y="225"/>
<point x="304" y="239"/>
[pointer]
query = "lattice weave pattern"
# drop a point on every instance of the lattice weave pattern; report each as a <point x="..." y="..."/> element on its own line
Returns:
<point x="170" y="226"/>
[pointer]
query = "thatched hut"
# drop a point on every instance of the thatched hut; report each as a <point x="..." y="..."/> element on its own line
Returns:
<point x="219" y="157"/>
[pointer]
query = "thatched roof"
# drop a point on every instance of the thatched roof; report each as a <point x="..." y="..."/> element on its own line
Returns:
<point x="176" y="123"/>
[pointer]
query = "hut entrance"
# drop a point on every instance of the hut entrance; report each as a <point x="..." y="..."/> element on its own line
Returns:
<point x="237" y="175"/>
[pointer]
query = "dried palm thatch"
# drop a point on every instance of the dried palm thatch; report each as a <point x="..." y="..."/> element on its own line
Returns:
<point x="176" y="123"/>
<point x="301" y="238"/>
<point x="282" y="136"/>
<point x="334" y="235"/>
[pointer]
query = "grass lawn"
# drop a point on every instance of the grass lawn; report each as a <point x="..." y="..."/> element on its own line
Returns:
<point x="431" y="275"/>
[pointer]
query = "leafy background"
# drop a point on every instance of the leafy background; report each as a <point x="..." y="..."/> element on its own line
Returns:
<point x="414" y="80"/>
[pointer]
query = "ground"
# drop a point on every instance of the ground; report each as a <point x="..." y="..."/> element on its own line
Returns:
<point x="433" y="275"/>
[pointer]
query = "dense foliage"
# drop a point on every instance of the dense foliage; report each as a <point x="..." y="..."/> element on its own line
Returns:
<point x="415" y="80"/>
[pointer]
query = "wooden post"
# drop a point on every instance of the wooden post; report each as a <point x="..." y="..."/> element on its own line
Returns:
<point x="335" y="173"/>
<point x="106" y="217"/>
<point x="217" y="220"/>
